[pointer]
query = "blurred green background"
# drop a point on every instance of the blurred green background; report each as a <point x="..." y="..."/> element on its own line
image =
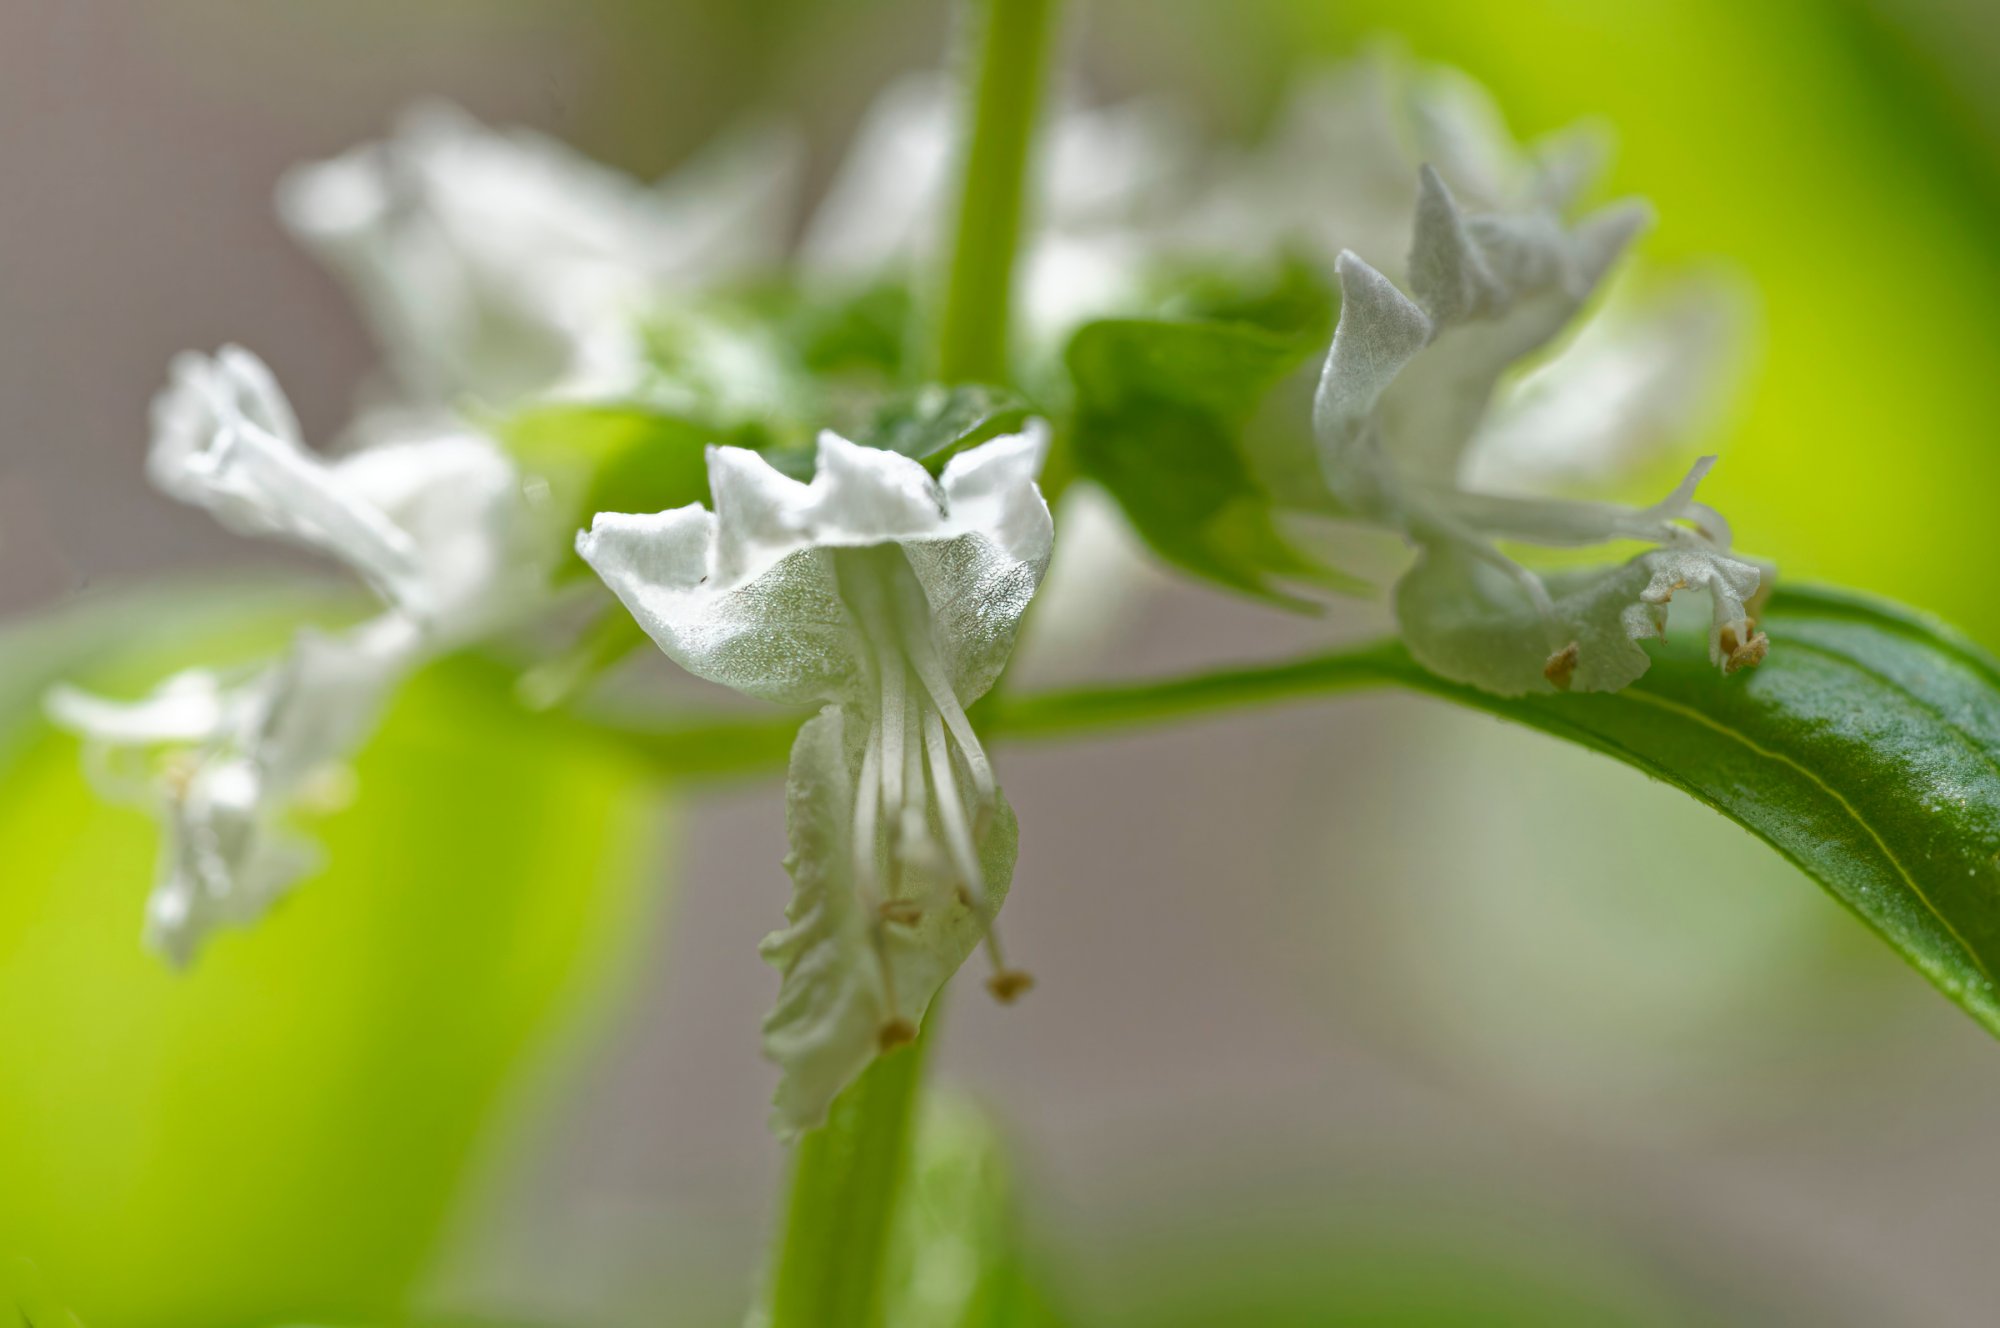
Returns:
<point x="1370" y="1014"/>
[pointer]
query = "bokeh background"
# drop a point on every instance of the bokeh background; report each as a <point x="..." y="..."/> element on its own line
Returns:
<point x="1366" y="1013"/>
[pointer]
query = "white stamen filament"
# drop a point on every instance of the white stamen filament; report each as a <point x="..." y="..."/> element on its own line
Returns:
<point x="866" y="800"/>
<point x="908" y="767"/>
<point x="922" y="654"/>
<point x="951" y="811"/>
<point x="894" y="758"/>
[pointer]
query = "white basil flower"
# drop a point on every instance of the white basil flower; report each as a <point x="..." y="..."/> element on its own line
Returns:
<point x="502" y="264"/>
<point x="224" y="763"/>
<point x="1338" y="170"/>
<point x="891" y="600"/>
<point x="436" y="523"/>
<point x="1404" y="394"/>
<point x="1642" y="377"/>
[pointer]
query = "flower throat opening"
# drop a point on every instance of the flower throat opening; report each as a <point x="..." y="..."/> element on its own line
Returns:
<point x="927" y="796"/>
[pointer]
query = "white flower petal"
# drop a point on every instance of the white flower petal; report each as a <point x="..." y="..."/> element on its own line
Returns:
<point x="1379" y="333"/>
<point x="213" y="446"/>
<point x="992" y="488"/>
<point x="236" y="760"/>
<point x="1467" y="620"/>
<point x="190" y="707"/>
<point x="761" y="515"/>
<point x="783" y="636"/>
<point x="223" y="864"/>
<point x="500" y="264"/>
<point x="864" y="495"/>
<point x="854" y="981"/>
<point x="1638" y="379"/>
<point x="479" y="553"/>
<point x="878" y="209"/>
<point x="767" y="611"/>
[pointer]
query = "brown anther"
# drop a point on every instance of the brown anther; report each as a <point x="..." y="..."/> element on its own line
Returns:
<point x="909" y="912"/>
<point x="1747" y="655"/>
<point x="965" y="897"/>
<point x="1561" y="668"/>
<point x="895" y="1033"/>
<point x="1009" y="985"/>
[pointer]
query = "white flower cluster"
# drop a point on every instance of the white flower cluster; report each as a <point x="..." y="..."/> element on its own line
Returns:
<point x="437" y="527"/>
<point x="1404" y="394"/>
<point x="497" y="265"/>
<point x="499" y="269"/>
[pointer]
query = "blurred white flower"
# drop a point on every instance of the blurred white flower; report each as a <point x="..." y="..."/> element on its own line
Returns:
<point x="1106" y="174"/>
<point x="498" y="265"/>
<point x="1338" y="169"/>
<point x="1402" y="398"/>
<point x="892" y="600"/>
<point x="437" y="525"/>
<point x="224" y="763"/>
<point x="1643" y="376"/>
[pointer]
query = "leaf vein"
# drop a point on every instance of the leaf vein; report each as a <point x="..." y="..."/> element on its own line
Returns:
<point x="1854" y="813"/>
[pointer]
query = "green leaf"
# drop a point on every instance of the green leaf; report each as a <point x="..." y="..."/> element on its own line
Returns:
<point x="1162" y="412"/>
<point x="932" y="423"/>
<point x="864" y="333"/>
<point x="286" y="1130"/>
<point x="611" y="457"/>
<point x="1291" y="299"/>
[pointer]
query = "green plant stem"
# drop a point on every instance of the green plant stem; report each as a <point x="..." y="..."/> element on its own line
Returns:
<point x="710" y="751"/>
<point x="848" y="1174"/>
<point x="1011" y="54"/>
<point x="846" y="1180"/>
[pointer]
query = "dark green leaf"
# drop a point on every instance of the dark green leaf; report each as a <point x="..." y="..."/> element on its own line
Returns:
<point x="1293" y="299"/>
<point x="1162" y="409"/>
<point x="932" y="423"/>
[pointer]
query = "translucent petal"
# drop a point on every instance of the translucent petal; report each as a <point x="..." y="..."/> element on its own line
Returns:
<point x="499" y="263"/>
<point x="189" y="707"/>
<point x="480" y="552"/>
<point x="1640" y="378"/>
<point x="991" y="488"/>
<point x="1468" y="621"/>
<point x="849" y="974"/>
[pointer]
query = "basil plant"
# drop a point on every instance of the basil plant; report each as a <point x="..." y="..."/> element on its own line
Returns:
<point x="1387" y="352"/>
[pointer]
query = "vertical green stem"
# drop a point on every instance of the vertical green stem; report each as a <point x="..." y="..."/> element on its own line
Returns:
<point x="846" y="1180"/>
<point x="848" y="1174"/>
<point x="1008" y="65"/>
